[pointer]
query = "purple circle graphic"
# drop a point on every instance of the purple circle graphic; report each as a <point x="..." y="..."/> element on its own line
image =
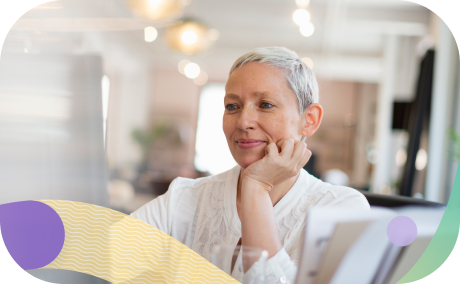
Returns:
<point x="402" y="231"/>
<point x="33" y="233"/>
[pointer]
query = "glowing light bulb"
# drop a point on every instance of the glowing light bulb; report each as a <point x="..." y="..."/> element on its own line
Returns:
<point x="189" y="37"/>
<point x="307" y="29"/>
<point x="301" y="17"/>
<point x="182" y="64"/>
<point x="192" y="70"/>
<point x="201" y="79"/>
<point x="154" y="3"/>
<point x="150" y="34"/>
<point x="401" y="157"/>
<point x="421" y="160"/>
<point x="308" y="62"/>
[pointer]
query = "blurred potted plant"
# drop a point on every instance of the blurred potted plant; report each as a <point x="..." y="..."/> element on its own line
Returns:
<point x="161" y="135"/>
<point x="147" y="138"/>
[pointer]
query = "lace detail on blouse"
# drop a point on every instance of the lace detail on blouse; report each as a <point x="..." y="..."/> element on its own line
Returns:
<point x="212" y="226"/>
<point x="291" y="224"/>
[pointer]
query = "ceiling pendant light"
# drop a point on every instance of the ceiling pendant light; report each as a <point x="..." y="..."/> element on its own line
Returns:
<point x="157" y="10"/>
<point x="189" y="37"/>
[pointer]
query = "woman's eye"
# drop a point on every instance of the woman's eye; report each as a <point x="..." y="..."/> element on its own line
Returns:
<point x="230" y="107"/>
<point x="266" y="105"/>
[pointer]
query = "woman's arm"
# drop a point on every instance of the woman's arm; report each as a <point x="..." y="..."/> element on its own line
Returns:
<point x="259" y="181"/>
<point x="258" y="219"/>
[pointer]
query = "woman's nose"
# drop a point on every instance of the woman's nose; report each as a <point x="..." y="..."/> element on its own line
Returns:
<point x="247" y="119"/>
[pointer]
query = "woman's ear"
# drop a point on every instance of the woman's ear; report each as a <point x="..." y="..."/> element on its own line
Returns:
<point x="311" y="119"/>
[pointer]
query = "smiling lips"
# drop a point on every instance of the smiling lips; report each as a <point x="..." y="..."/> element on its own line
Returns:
<point x="249" y="143"/>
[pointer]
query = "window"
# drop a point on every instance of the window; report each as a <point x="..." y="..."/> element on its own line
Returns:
<point x="212" y="153"/>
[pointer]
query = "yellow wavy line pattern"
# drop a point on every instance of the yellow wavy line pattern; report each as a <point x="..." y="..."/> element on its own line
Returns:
<point x="122" y="249"/>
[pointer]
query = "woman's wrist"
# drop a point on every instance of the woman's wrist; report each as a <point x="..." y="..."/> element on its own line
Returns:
<point x="254" y="184"/>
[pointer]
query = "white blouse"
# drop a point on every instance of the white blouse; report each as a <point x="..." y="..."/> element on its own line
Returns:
<point x="201" y="213"/>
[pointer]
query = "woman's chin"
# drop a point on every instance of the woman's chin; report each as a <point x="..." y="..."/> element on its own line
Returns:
<point x="244" y="163"/>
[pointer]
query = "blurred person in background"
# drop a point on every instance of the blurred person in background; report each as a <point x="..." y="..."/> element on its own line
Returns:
<point x="271" y="106"/>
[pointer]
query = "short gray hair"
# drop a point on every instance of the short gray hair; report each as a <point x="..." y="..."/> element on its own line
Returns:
<point x="300" y="78"/>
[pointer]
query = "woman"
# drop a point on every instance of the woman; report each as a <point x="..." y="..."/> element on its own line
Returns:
<point x="271" y="103"/>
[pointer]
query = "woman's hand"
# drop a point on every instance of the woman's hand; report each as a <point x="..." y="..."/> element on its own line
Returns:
<point x="281" y="162"/>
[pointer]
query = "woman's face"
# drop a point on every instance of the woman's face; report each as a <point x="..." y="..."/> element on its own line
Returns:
<point x="260" y="109"/>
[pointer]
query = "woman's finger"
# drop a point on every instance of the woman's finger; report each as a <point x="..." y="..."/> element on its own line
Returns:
<point x="271" y="149"/>
<point x="287" y="147"/>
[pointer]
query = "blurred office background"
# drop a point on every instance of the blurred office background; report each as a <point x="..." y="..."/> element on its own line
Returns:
<point x="107" y="101"/>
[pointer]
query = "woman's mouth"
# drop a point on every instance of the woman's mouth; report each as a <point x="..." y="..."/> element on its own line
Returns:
<point x="248" y="143"/>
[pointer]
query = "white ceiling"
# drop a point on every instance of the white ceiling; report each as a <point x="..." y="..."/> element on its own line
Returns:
<point x="352" y="31"/>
